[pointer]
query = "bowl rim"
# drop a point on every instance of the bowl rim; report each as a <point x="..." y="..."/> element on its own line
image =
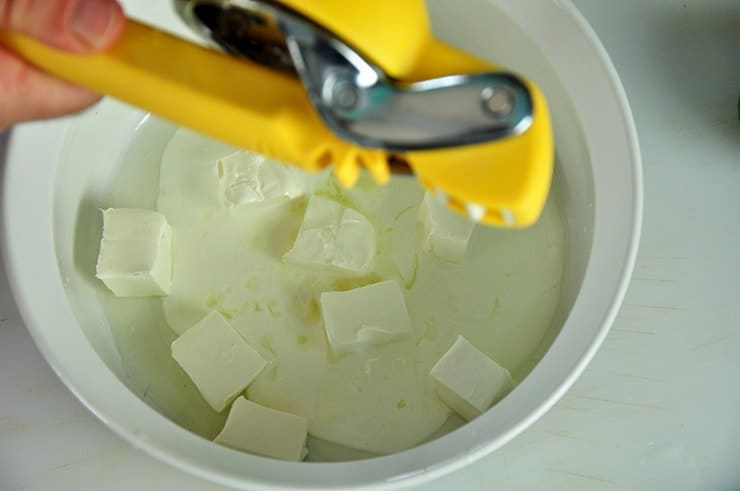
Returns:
<point x="28" y="252"/>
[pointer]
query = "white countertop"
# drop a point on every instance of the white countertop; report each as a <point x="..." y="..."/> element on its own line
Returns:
<point x="659" y="407"/>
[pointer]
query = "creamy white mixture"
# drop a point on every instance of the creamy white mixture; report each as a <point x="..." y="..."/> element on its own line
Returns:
<point x="230" y="239"/>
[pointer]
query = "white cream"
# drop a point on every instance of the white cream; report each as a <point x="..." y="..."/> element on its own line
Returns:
<point x="468" y="381"/>
<point x="231" y="262"/>
<point x="366" y="317"/>
<point x="333" y="236"/>
<point x="381" y="400"/>
<point x="248" y="178"/>
<point x="218" y="361"/>
<point x="135" y="258"/>
<point x="264" y="431"/>
<point x="445" y="233"/>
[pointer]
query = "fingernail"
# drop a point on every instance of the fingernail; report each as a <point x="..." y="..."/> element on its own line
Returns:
<point x="91" y="20"/>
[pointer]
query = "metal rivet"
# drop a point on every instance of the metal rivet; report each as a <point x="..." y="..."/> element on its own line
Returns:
<point x="345" y="95"/>
<point x="498" y="101"/>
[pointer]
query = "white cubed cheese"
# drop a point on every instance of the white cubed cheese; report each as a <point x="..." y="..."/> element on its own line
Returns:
<point x="445" y="233"/>
<point x="250" y="178"/>
<point x="135" y="258"/>
<point x="334" y="236"/>
<point x="264" y="431"/>
<point x="364" y="317"/>
<point x="217" y="360"/>
<point x="468" y="381"/>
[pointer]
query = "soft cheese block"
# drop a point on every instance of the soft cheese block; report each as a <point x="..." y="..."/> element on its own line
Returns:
<point x="334" y="236"/>
<point x="381" y="399"/>
<point x="364" y="317"/>
<point x="468" y="381"/>
<point x="217" y="360"/>
<point x="445" y="233"/>
<point x="135" y="258"/>
<point x="264" y="431"/>
<point x="250" y="178"/>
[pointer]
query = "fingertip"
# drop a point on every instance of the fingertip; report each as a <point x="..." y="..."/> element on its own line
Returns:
<point x="118" y="24"/>
<point x="80" y="26"/>
<point x="97" y="23"/>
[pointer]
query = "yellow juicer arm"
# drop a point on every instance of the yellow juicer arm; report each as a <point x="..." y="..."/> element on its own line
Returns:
<point x="508" y="178"/>
<point x="254" y="107"/>
<point x="236" y="101"/>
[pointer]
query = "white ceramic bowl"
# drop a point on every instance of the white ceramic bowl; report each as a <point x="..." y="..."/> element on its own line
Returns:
<point x="54" y="168"/>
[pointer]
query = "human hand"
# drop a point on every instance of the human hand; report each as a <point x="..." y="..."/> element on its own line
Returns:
<point x="80" y="26"/>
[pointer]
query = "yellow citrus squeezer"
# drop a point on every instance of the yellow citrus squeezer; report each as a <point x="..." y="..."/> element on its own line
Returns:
<point x="333" y="82"/>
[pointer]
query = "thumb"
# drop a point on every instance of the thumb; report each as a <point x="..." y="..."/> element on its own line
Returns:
<point x="71" y="25"/>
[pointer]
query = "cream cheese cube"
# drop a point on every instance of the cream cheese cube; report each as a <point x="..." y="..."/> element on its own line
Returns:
<point x="445" y="233"/>
<point x="217" y="359"/>
<point x="250" y="178"/>
<point x="264" y="431"/>
<point x="468" y="381"/>
<point x="135" y="258"/>
<point x="359" y="319"/>
<point x="334" y="236"/>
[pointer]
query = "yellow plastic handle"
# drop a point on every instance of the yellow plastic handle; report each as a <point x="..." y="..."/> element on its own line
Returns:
<point x="504" y="182"/>
<point x="239" y="102"/>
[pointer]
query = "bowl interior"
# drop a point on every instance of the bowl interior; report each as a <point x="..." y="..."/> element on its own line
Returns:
<point x="120" y="144"/>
